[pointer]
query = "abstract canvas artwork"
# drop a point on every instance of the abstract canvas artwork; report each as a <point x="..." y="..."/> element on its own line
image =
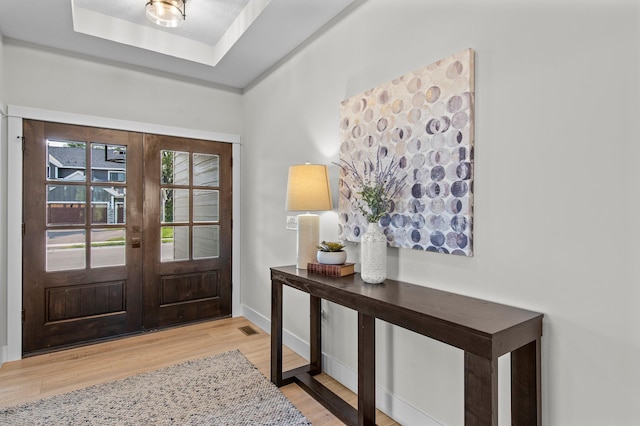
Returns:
<point x="424" y="121"/>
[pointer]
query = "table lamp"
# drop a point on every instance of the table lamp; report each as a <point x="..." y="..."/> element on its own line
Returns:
<point x="308" y="190"/>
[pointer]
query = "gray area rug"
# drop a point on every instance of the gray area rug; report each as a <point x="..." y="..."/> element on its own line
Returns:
<point x="225" y="389"/>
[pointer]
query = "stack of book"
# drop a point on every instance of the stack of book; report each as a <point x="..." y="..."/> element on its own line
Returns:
<point x="331" y="270"/>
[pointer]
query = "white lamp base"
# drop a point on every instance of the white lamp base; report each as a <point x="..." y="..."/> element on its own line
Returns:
<point x="308" y="239"/>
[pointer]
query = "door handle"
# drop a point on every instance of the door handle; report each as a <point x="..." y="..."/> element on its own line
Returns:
<point x="135" y="242"/>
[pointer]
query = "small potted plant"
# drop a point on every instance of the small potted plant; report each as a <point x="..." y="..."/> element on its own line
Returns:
<point x="331" y="253"/>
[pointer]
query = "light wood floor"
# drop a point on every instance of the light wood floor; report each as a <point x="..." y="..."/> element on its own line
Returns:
<point x="58" y="372"/>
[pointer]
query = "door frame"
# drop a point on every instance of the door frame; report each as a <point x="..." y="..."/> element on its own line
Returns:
<point x="14" y="207"/>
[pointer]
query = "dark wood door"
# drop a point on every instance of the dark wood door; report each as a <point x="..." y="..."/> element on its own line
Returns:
<point x="187" y="222"/>
<point x="82" y="265"/>
<point x="122" y="232"/>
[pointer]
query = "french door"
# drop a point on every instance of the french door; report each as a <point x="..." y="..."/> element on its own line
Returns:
<point x="122" y="232"/>
<point x="187" y="220"/>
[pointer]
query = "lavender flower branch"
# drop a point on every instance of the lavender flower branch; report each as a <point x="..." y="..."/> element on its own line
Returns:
<point x="377" y="186"/>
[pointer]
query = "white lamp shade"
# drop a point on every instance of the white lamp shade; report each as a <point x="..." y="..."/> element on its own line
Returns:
<point x="308" y="188"/>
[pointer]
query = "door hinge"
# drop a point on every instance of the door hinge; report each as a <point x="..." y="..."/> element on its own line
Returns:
<point x="22" y="137"/>
<point x="23" y="316"/>
<point x="24" y="229"/>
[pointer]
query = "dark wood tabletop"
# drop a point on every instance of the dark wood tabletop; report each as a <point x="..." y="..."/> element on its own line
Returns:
<point x="482" y="327"/>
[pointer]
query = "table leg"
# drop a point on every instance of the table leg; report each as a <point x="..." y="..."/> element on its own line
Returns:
<point x="276" y="333"/>
<point x="366" y="370"/>
<point x="315" y="336"/>
<point x="480" y="391"/>
<point x="526" y="406"/>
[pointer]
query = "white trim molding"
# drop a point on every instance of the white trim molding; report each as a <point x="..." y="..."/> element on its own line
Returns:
<point x="113" y="123"/>
<point x="14" y="238"/>
<point x="3" y="231"/>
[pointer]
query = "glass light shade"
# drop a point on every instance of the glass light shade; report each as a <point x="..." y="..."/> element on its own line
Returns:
<point x="166" y="13"/>
<point x="308" y="188"/>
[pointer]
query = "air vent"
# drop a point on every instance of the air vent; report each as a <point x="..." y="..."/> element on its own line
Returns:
<point x="248" y="330"/>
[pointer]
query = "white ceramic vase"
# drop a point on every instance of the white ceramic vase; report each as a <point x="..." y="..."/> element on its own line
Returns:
<point x="373" y="255"/>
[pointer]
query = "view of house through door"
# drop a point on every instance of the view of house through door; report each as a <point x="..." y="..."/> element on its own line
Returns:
<point x="123" y="232"/>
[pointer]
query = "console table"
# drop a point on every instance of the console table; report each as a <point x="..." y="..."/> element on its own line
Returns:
<point x="483" y="330"/>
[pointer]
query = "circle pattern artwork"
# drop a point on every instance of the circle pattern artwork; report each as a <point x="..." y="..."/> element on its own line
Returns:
<point x="424" y="122"/>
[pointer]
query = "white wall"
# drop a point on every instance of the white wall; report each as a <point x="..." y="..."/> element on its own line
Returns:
<point x="556" y="199"/>
<point x="40" y="80"/>
<point x="55" y="80"/>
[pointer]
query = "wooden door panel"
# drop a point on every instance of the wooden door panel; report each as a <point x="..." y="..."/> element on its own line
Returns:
<point x="65" y="306"/>
<point x="84" y="300"/>
<point x="190" y="289"/>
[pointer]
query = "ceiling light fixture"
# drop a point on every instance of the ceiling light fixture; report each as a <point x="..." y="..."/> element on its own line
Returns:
<point x="167" y="13"/>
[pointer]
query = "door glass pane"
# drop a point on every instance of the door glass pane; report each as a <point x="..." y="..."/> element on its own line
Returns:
<point x="206" y="241"/>
<point x="175" y="243"/>
<point x="66" y="161"/>
<point x="206" y="170"/>
<point x="108" y="204"/>
<point x="65" y="249"/>
<point x="108" y="163"/>
<point x="174" y="168"/>
<point x="175" y="205"/>
<point x="107" y="247"/>
<point x="66" y="205"/>
<point x="205" y="205"/>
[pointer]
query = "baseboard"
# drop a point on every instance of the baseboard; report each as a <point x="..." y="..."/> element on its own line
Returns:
<point x="3" y="354"/>
<point x="391" y="405"/>
<point x="290" y="340"/>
